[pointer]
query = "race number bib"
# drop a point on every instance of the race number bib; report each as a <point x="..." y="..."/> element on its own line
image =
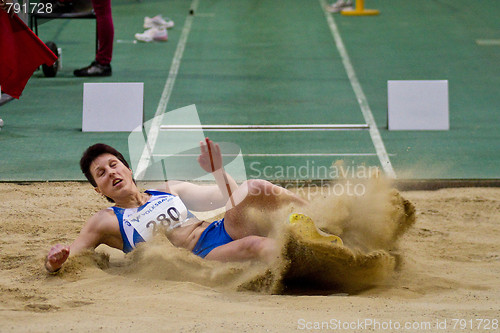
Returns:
<point x="164" y="213"/>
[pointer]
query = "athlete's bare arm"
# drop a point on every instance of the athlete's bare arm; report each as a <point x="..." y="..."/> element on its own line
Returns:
<point x="102" y="228"/>
<point x="206" y="197"/>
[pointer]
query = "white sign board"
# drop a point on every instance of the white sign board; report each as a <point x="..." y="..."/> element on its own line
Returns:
<point x="112" y="107"/>
<point x="418" y="105"/>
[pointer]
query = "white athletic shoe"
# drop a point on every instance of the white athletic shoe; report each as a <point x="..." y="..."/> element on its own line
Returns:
<point x="158" y="22"/>
<point x="153" y="34"/>
<point x="339" y="6"/>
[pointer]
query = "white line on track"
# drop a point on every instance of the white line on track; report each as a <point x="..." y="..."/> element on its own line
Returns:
<point x="275" y="155"/>
<point x="488" y="42"/>
<point x="265" y="128"/>
<point x="152" y="136"/>
<point x="363" y="103"/>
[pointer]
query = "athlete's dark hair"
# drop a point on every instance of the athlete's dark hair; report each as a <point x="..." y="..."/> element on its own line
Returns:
<point x="94" y="151"/>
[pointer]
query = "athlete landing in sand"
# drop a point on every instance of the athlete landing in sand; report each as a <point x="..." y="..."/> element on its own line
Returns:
<point x="137" y="215"/>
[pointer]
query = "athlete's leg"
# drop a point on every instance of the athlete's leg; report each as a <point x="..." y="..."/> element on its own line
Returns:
<point x="247" y="248"/>
<point x="260" y="194"/>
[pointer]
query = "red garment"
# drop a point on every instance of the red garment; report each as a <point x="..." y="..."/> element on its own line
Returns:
<point x="105" y="31"/>
<point x="21" y="52"/>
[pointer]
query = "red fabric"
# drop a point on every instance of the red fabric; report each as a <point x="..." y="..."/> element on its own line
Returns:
<point x="105" y="31"/>
<point x="21" y="52"/>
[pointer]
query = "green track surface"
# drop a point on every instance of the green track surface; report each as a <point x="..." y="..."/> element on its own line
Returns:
<point x="276" y="62"/>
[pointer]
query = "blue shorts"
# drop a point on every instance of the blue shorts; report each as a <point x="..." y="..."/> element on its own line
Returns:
<point x="213" y="236"/>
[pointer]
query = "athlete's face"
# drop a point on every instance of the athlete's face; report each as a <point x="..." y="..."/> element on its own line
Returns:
<point x="110" y="174"/>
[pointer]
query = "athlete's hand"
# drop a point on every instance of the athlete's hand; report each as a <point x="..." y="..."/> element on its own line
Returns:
<point x="210" y="158"/>
<point x="58" y="254"/>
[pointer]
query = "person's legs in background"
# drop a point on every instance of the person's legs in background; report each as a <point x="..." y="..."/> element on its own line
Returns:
<point x="105" y="35"/>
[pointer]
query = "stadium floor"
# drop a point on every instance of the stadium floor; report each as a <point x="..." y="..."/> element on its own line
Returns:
<point x="277" y="62"/>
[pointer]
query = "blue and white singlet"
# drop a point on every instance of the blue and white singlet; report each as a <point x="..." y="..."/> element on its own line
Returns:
<point x="161" y="210"/>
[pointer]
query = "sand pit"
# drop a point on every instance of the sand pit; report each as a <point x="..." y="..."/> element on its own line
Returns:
<point x="440" y="272"/>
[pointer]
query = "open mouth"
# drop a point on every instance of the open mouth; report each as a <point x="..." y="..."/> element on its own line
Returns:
<point x="116" y="182"/>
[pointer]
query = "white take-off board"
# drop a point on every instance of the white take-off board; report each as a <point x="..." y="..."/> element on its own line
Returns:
<point x="418" y="105"/>
<point x="112" y="107"/>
